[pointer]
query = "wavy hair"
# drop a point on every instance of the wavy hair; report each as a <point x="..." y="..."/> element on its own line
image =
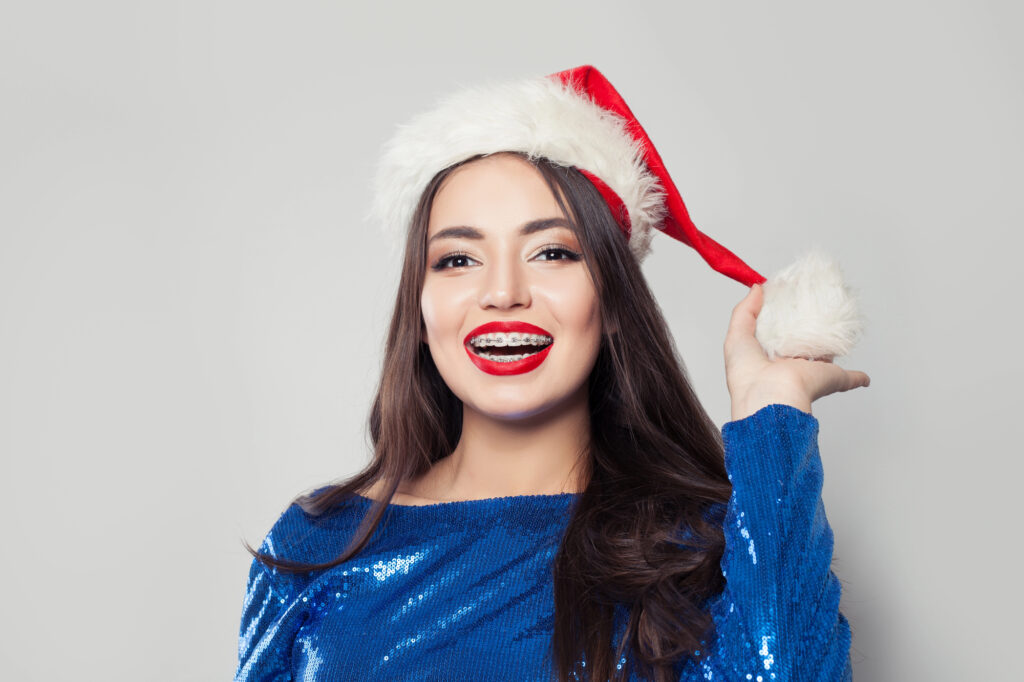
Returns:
<point x="646" y="532"/>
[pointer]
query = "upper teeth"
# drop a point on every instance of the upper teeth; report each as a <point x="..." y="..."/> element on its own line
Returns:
<point x="512" y="339"/>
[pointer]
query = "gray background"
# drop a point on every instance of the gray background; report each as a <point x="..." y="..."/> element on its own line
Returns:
<point x="193" y="307"/>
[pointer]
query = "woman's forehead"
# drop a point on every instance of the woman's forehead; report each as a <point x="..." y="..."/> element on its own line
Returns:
<point x="493" y="194"/>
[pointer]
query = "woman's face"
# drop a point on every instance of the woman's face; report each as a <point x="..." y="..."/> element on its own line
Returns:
<point x="510" y="313"/>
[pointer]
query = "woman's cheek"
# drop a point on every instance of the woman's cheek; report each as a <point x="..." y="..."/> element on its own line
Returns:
<point x="443" y="310"/>
<point x="575" y="301"/>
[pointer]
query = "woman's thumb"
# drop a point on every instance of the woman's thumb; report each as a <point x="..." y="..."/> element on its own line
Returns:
<point x="755" y="299"/>
<point x="744" y="314"/>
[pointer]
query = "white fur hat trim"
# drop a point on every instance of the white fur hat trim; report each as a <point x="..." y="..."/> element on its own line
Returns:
<point x="540" y="117"/>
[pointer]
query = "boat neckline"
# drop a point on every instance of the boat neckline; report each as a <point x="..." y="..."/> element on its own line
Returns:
<point x="505" y="499"/>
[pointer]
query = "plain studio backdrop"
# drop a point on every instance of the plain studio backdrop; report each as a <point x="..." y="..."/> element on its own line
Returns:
<point x="192" y="307"/>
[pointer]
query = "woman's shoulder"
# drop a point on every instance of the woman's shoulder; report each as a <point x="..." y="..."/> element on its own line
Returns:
<point x="300" y="534"/>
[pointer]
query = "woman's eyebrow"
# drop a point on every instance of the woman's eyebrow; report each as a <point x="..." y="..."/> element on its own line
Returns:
<point x="467" y="232"/>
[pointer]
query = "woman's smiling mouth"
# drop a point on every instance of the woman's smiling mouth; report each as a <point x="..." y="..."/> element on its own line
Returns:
<point x="503" y="348"/>
<point x="508" y="347"/>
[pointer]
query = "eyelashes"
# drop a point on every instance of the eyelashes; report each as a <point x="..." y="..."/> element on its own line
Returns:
<point x="449" y="260"/>
<point x="568" y="253"/>
<point x="443" y="263"/>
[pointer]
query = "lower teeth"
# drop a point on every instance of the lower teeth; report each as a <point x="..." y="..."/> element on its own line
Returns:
<point x="505" y="358"/>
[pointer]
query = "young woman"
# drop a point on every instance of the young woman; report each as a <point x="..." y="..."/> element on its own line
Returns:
<point x="547" y="498"/>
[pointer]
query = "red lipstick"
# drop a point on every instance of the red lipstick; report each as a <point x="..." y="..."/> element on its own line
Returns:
<point x="521" y="366"/>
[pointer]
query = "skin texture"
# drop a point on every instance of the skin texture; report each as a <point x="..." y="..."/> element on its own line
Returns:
<point x="526" y="433"/>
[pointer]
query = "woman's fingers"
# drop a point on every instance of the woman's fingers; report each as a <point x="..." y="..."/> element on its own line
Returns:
<point x="859" y="379"/>
<point x="838" y="380"/>
<point x="847" y="379"/>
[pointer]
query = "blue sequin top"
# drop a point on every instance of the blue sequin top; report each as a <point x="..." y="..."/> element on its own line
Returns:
<point x="464" y="591"/>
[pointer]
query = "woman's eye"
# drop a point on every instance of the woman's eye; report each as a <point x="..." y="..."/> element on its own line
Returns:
<point x="451" y="261"/>
<point x="558" y="253"/>
<point x="454" y="261"/>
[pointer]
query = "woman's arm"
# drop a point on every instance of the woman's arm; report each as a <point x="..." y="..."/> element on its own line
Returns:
<point x="780" y="588"/>
<point x="271" y="611"/>
<point x="260" y="655"/>
<point x="782" y="596"/>
<point x="264" y="646"/>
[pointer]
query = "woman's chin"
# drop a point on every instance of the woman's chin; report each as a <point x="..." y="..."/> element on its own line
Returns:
<point x="519" y="408"/>
<point x="511" y="411"/>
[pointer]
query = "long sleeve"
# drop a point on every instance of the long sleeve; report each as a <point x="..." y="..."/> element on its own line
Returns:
<point x="260" y="655"/>
<point x="778" y="554"/>
<point x="272" y="611"/>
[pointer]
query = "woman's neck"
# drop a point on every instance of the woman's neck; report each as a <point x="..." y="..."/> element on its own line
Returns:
<point x="542" y="455"/>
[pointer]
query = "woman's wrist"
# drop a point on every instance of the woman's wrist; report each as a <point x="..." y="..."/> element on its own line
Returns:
<point x="750" y="404"/>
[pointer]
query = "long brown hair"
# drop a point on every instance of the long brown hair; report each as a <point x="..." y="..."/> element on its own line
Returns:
<point x="646" y="533"/>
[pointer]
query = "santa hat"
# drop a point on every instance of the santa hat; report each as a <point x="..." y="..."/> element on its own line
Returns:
<point x="577" y="118"/>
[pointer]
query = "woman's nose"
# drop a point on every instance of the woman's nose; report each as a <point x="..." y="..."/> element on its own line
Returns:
<point x="504" y="285"/>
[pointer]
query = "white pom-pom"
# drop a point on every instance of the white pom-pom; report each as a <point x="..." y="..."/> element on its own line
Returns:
<point x="808" y="311"/>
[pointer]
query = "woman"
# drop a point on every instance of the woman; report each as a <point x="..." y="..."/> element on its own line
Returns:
<point x="547" y="498"/>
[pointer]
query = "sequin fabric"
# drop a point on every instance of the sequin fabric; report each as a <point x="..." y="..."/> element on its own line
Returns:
<point x="463" y="590"/>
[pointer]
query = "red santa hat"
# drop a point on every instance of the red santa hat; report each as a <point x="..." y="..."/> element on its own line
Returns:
<point x="577" y="118"/>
